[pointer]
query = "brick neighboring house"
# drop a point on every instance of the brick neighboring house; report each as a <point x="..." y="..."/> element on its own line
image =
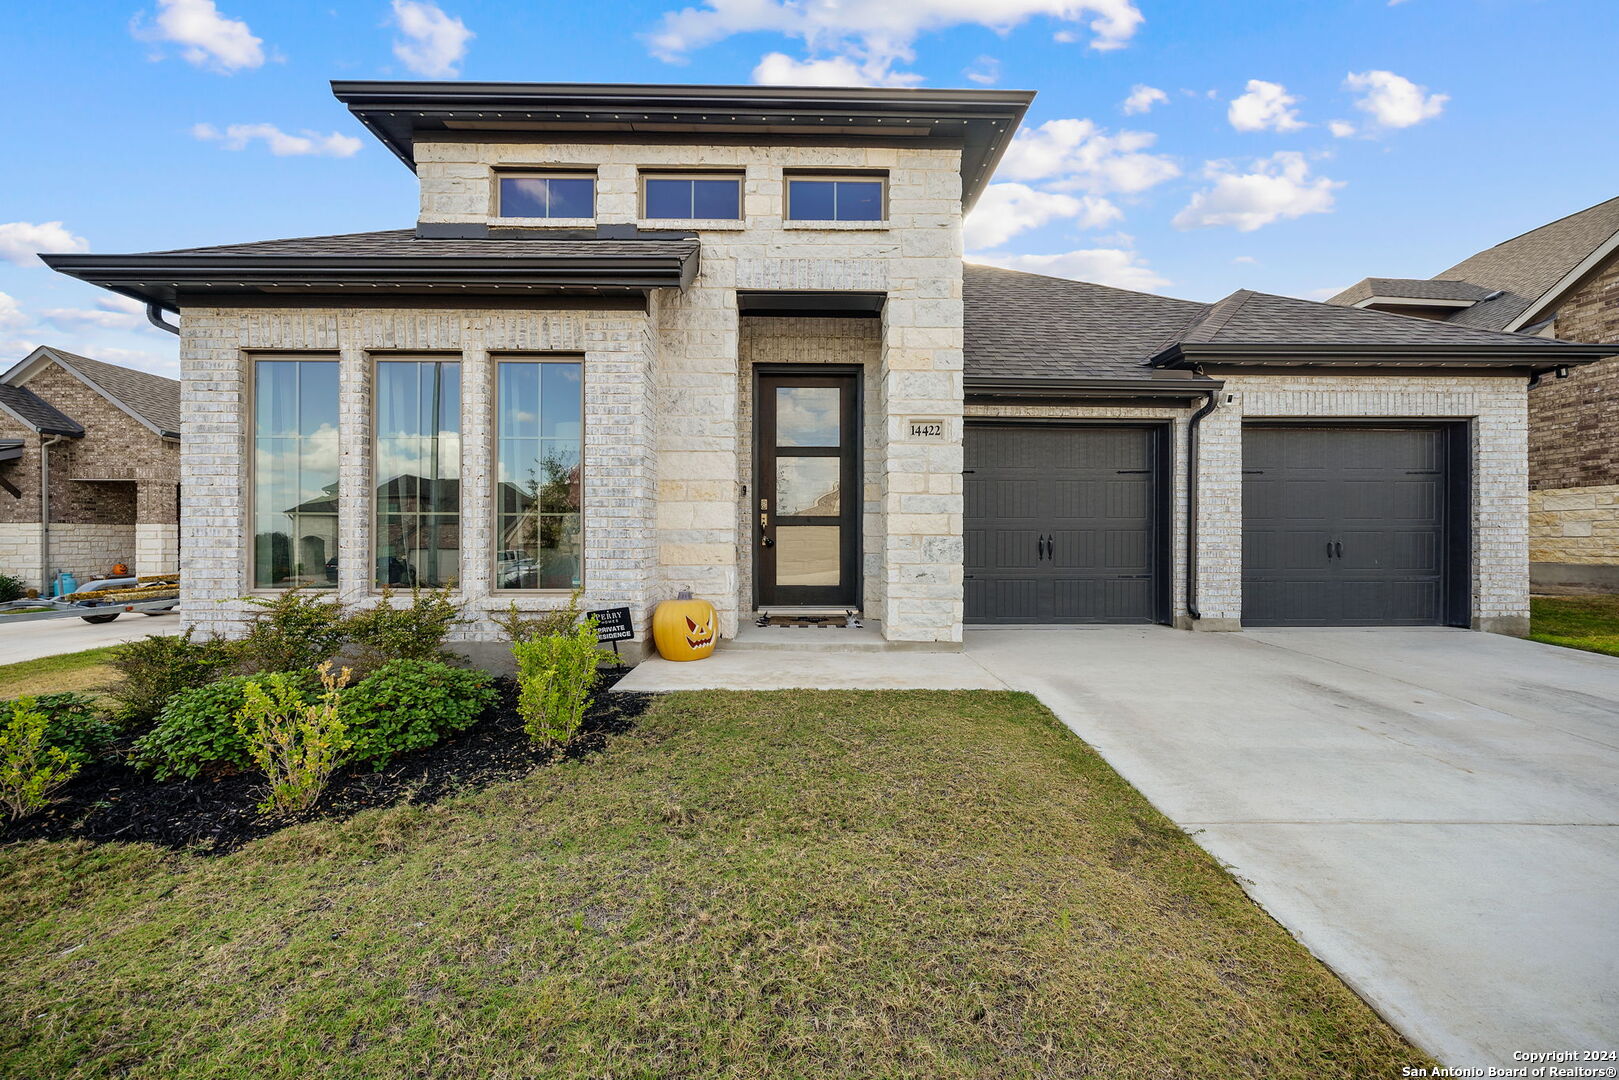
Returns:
<point x="106" y="441"/>
<point x="643" y="338"/>
<point x="1558" y="281"/>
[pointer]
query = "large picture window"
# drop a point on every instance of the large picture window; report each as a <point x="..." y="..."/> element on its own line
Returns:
<point x="295" y="451"/>
<point x="540" y="436"/>
<point x="418" y="472"/>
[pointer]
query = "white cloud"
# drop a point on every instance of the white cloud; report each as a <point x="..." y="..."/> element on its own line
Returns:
<point x="985" y="71"/>
<point x="1393" y="101"/>
<point x="432" y="43"/>
<point x="1078" y="155"/>
<point x="1341" y="129"/>
<point x="1276" y="187"/>
<point x="206" y="38"/>
<point x="1104" y="266"/>
<point x="874" y="35"/>
<point x="1142" y="98"/>
<point x="1005" y="210"/>
<point x="111" y="313"/>
<point x="11" y="313"/>
<point x="21" y="241"/>
<point x="779" y="69"/>
<point x="281" y="144"/>
<point x="1245" y="259"/>
<point x="1267" y="106"/>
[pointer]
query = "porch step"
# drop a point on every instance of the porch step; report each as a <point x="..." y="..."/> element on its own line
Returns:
<point x="838" y="639"/>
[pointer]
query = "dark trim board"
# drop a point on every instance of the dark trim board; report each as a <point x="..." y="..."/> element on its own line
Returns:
<point x="1077" y="532"/>
<point x="1302" y="497"/>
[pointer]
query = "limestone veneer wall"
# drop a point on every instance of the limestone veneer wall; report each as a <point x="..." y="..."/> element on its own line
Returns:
<point x="914" y="257"/>
<point x="218" y="346"/>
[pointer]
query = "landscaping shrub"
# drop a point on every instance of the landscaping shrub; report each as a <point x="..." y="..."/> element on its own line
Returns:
<point x="75" y="724"/>
<point x="295" y="631"/>
<point x="406" y="705"/>
<point x="297" y="745"/>
<point x="11" y="588"/>
<point x="30" y="768"/>
<point x="555" y="674"/>
<point x="196" y="730"/>
<point x="414" y="632"/>
<point x="156" y="668"/>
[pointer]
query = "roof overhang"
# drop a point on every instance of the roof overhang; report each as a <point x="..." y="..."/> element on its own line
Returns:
<point x="980" y="122"/>
<point x="10" y="450"/>
<point x="1506" y="356"/>
<point x="1551" y="296"/>
<point x="1412" y="301"/>
<point x="34" y="362"/>
<point x="1037" y="387"/>
<point x="163" y="278"/>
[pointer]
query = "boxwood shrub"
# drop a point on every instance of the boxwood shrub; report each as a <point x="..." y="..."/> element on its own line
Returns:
<point x="408" y="704"/>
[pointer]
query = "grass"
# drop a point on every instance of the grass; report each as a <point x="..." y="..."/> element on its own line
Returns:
<point x="1577" y="622"/>
<point x="88" y="671"/>
<point x="885" y="884"/>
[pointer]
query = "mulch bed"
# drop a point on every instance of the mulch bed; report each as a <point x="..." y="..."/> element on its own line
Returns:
<point x="110" y="801"/>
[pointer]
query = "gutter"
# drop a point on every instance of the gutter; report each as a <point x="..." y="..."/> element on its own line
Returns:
<point x="1208" y="406"/>
<point x="45" y="511"/>
<point x="154" y="315"/>
<point x="1035" y="386"/>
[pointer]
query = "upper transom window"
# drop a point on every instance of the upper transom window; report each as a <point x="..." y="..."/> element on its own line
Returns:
<point x="549" y="195"/>
<point x="692" y="197"/>
<point x="835" y="198"/>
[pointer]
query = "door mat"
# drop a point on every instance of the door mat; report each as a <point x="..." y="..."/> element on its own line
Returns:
<point x="849" y="620"/>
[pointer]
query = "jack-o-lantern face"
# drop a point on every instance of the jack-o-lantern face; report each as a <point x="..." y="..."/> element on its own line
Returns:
<point x="699" y="634"/>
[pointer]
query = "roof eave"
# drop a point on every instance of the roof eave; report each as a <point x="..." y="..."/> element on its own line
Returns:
<point x="1543" y="357"/>
<point x="1039" y="386"/>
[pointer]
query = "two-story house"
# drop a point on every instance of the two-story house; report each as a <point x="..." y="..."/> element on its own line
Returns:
<point x="651" y="337"/>
<point x="1561" y="281"/>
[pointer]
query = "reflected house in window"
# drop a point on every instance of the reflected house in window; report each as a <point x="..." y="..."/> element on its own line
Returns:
<point x="541" y="531"/>
<point x="418" y="534"/>
<point x="303" y="553"/>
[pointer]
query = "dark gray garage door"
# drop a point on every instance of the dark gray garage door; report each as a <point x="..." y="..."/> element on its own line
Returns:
<point x="1062" y="524"/>
<point x="1345" y="526"/>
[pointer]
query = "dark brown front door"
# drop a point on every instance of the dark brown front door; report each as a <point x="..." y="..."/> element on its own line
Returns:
<point x="806" y="494"/>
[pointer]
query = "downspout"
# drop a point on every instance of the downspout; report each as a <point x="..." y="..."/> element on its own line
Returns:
<point x="154" y="315"/>
<point x="45" y="511"/>
<point x="1208" y="406"/>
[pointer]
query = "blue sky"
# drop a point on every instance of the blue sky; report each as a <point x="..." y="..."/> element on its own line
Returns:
<point x="1291" y="146"/>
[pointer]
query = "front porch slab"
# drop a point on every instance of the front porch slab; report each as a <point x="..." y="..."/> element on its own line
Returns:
<point x="812" y="669"/>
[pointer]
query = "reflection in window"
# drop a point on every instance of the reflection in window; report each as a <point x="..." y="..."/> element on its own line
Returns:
<point x="808" y="555"/>
<point x="693" y="197"/>
<point x="418" y="410"/>
<point x="808" y="486"/>
<point x="547" y="197"/>
<point x="807" y="416"/>
<point x="294" y="474"/>
<point x="540" y="439"/>
<point x="834" y="200"/>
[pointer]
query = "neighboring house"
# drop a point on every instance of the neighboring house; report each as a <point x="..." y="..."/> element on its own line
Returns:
<point x="644" y="338"/>
<point x="89" y="469"/>
<point x="1558" y="281"/>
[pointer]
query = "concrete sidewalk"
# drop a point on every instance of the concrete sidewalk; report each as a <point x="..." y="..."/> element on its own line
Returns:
<point x="54" y="637"/>
<point x="742" y="669"/>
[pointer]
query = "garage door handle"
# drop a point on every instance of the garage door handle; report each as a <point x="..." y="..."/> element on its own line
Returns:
<point x="1339" y="544"/>
<point x="1329" y="549"/>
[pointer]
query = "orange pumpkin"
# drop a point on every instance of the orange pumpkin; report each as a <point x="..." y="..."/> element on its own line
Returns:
<point x="684" y="628"/>
<point x="120" y="570"/>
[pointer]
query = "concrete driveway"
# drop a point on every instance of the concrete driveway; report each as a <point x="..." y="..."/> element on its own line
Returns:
<point x="53" y="637"/>
<point x="1431" y="812"/>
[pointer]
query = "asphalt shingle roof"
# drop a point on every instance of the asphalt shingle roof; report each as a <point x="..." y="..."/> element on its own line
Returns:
<point x="1416" y="288"/>
<point x="405" y="243"/>
<point x="38" y="413"/>
<point x="1020" y="324"/>
<point x="151" y="397"/>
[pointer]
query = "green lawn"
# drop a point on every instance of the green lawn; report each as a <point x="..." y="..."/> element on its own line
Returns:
<point x="87" y="671"/>
<point x="832" y="884"/>
<point x="1578" y="622"/>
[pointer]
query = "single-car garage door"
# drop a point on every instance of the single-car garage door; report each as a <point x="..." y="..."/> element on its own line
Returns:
<point x="1063" y="523"/>
<point x="1351" y="526"/>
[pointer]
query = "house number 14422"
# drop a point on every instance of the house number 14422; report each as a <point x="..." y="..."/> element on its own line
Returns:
<point x="927" y="429"/>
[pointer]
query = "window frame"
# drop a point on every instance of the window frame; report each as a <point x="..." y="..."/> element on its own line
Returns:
<point x="493" y="557"/>
<point x="789" y="178"/>
<point x="376" y="360"/>
<point x="250" y="486"/>
<point x="500" y="174"/>
<point x="739" y="177"/>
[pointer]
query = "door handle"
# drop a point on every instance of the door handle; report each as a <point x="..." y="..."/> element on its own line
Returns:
<point x="1339" y="544"/>
<point x="1039" y="547"/>
<point x="765" y="541"/>
<point x="1329" y="549"/>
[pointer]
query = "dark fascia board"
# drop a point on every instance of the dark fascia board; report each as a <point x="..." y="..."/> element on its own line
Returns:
<point x="982" y="122"/>
<point x="1035" y="386"/>
<point x="161" y="278"/>
<point x="1506" y="355"/>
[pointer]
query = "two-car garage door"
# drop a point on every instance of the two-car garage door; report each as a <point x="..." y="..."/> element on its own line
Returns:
<point x="1343" y="525"/>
